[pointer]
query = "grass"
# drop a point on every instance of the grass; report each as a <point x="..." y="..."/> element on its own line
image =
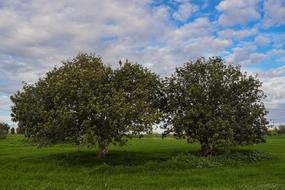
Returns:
<point x="141" y="164"/>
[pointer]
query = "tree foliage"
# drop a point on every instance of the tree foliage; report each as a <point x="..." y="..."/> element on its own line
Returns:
<point x="87" y="102"/>
<point x="4" y="130"/>
<point x="215" y="104"/>
<point x="20" y="131"/>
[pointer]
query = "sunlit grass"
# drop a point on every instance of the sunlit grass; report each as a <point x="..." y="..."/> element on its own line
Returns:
<point x="23" y="166"/>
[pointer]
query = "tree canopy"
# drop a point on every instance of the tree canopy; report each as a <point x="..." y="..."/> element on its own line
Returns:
<point x="87" y="102"/>
<point x="215" y="104"/>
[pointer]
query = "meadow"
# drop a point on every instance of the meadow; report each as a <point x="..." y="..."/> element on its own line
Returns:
<point x="143" y="163"/>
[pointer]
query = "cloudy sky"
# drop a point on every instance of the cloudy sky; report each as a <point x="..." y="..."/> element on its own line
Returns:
<point x="36" y="35"/>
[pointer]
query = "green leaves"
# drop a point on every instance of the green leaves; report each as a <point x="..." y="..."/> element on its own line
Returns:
<point x="215" y="104"/>
<point x="87" y="102"/>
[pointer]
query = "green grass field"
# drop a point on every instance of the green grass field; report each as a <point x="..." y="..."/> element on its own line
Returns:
<point x="23" y="166"/>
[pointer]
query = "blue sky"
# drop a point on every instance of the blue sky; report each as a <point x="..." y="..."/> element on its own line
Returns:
<point x="38" y="34"/>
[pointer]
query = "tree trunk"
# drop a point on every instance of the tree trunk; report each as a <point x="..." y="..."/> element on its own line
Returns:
<point x="206" y="149"/>
<point x="102" y="151"/>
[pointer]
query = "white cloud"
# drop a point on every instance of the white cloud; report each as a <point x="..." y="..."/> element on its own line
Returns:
<point x="277" y="72"/>
<point x="200" y="27"/>
<point x="4" y="103"/>
<point x="238" y="12"/>
<point x="184" y="11"/>
<point x="208" y="45"/>
<point x="277" y="52"/>
<point x="246" y="55"/>
<point x="261" y="40"/>
<point x="256" y="57"/>
<point x="274" y="12"/>
<point x="240" y="54"/>
<point x="237" y="34"/>
<point x="278" y="41"/>
<point x="275" y="90"/>
<point x="39" y="36"/>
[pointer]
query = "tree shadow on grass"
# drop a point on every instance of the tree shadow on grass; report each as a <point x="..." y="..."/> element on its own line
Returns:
<point x="113" y="158"/>
<point x="122" y="161"/>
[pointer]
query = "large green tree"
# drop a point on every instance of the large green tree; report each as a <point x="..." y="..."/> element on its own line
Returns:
<point x="87" y="102"/>
<point x="215" y="104"/>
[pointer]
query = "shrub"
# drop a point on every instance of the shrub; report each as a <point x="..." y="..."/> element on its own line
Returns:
<point x="231" y="158"/>
<point x="4" y="130"/>
<point x="273" y="132"/>
<point x="12" y="131"/>
<point x="281" y="129"/>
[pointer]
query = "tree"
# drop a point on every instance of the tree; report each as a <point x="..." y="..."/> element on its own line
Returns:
<point x="87" y="102"/>
<point x="281" y="129"/>
<point x="4" y="130"/>
<point x="215" y="104"/>
<point x="20" y="131"/>
<point x="12" y="131"/>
